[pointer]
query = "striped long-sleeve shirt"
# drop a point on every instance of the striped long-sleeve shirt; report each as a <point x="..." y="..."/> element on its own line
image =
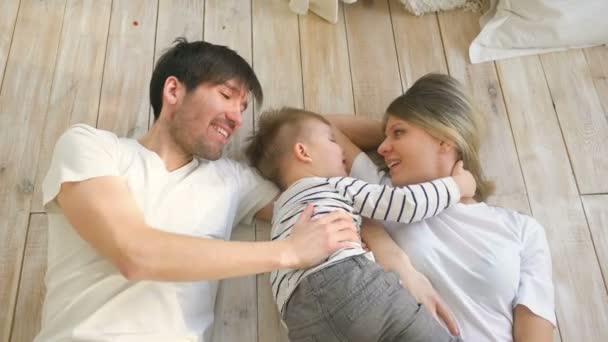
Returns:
<point x="408" y="204"/>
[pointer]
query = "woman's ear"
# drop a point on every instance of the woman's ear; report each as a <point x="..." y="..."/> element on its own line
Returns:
<point x="301" y="153"/>
<point x="446" y="146"/>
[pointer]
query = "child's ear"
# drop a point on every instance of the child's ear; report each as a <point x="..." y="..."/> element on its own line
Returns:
<point x="301" y="153"/>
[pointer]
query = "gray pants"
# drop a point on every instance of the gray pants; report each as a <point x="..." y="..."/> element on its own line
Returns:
<point x="355" y="300"/>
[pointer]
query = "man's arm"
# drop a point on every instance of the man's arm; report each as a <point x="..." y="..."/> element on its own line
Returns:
<point x="393" y="258"/>
<point x="105" y="215"/>
<point x="528" y="327"/>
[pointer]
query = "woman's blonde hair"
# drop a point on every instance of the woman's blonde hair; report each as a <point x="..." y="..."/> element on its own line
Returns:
<point x="439" y="104"/>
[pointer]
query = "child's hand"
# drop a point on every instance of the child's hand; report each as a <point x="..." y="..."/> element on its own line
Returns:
<point x="465" y="180"/>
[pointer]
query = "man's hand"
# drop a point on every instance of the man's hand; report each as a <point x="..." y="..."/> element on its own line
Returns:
<point x="420" y="287"/>
<point x="313" y="240"/>
<point x="465" y="180"/>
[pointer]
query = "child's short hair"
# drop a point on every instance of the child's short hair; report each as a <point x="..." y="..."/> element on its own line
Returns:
<point x="277" y="131"/>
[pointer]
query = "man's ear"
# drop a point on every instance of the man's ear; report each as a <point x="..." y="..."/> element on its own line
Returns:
<point x="173" y="91"/>
<point x="301" y="153"/>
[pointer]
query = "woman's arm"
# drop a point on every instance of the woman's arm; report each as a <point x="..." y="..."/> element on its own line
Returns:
<point x="529" y="327"/>
<point x="390" y="256"/>
<point x="363" y="132"/>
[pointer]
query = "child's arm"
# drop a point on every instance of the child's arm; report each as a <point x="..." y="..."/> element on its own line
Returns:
<point x="393" y="258"/>
<point x="407" y="204"/>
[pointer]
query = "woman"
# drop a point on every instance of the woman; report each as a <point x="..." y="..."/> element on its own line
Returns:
<point x="491" y="265"/>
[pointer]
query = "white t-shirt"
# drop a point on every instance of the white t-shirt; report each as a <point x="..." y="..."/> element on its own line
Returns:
<point x="482" y="260"/>
<point x="87" y="297"/>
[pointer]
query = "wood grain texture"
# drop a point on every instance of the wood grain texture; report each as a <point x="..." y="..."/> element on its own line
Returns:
<point x="8" y="17"/>
<point x="419" y="54"/>
<point x="581" y="299"/>
<point x="373" y="57"/>
<point x="325" y="65"/>
<point x="276" y="54"/>
<point x="124" y="107"/>
<point x="597" y="57"/>
<point x="582" y="120"/>
<point x="23" y="106"/>
<point x="596" y="209"/>
<point x="28" y="312"/>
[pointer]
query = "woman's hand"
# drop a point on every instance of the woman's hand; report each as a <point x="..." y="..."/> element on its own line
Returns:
<point x="422" y="289"/>
<point x="390" y="256"/>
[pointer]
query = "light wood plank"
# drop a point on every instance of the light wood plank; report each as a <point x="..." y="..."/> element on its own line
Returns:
<point x="177" y="18"/>
<point x="8" y="16"/>
<point x="31" y="287"/>
<point x="77" y="78"/>
<point x="597" y="57"/>
<point x="229" y="23"/>
<point x="373" y="58"/>
<point x="270" y="328"/>
<point x="419" y="44"/>
<point x="583" y="121"/>
<point x="124" y="107"/>
<point x="236" y="311"/>
<point x="596" y="208"/>
<point x="23" y="107"/>
<point x="498" y="153"/>
<point x="276" y="54"/>
<point x="325" y="65"/>
<point x="581" y="298"/>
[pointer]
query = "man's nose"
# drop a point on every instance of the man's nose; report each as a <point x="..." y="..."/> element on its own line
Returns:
<point x="235" y="116"/>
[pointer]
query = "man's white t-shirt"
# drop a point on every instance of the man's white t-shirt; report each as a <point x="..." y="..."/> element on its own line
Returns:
<point x="87" y="298"/>
<point x="483" y="261"/>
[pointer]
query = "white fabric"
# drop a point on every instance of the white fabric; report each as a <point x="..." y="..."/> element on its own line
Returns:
<point x="360" y="199"/>
<point x="420" y="7"/>
<point x="326" y="9"/>
<point x="482" y="260"/>
<point x="514" y="28"/>
<point x="87" y="297"/>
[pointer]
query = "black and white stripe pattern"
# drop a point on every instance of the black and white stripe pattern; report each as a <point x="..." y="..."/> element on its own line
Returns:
<point x="408" y="204"/>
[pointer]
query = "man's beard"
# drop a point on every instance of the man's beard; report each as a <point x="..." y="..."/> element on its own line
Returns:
<point x="199" y="148"/>
<point x="202" y="149"/>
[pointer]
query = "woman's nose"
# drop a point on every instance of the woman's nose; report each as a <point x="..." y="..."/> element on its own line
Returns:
<point x="384" y="147"/>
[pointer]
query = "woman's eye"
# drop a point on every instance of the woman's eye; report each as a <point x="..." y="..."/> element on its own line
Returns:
<point x="398" y="132"/>
<point x="226" y="96"/>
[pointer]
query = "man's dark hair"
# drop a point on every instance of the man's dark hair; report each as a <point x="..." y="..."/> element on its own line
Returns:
<point x="195" y="63"/>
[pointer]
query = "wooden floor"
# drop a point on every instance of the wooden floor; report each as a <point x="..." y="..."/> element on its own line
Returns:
<point x="69" y="61"/>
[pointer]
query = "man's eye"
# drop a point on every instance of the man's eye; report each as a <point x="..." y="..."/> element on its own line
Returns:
<point x="226" y="96"/>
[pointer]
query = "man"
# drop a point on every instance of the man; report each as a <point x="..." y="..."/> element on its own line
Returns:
<point x="137" y="228"/>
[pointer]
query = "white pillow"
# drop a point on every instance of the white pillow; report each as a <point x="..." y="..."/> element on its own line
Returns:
<point x="514" y="28"/>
